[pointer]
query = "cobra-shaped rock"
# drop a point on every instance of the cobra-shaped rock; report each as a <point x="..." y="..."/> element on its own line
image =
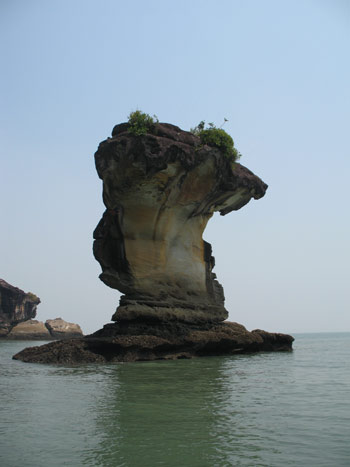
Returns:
<point x="160" y="190"/>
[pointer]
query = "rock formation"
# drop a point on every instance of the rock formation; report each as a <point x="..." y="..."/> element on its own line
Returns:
<point x="160" y="190"/>
<point x="17" y="309"/>
<point x="15" y="306"/>
<point x="30" y="330"/>
<point x="115" y="343"/>
<point x="60" y="329"/>
<point x="52" y="329"/>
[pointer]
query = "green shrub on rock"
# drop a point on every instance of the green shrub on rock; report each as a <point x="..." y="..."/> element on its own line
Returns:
<point x="216" y="137"/>
<point x="140" y="123"/>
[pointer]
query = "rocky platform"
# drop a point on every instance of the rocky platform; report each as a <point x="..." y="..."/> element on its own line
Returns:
<point x="146" y="341"/>
<point x="160" y="189"/>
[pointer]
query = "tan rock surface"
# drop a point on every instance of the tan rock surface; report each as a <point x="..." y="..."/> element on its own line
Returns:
<point x="60" y="329"/>
<point x="30" y="330"/>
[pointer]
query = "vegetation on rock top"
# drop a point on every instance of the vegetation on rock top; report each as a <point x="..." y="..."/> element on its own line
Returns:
<point x="140" y="123"/>
<point x="217" y="137"/>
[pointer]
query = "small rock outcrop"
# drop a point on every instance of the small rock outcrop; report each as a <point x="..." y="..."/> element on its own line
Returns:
<point x="60" y="329"/>
<point x="160" y="190"/>
<point x="16" y="306"/>
<point x="17" y="310"/>
<point x="52" y="329"/>
<point x="30" y="330"/>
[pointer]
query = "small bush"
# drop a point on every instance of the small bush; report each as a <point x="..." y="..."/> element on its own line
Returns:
<point x="218" y="138"/>
<point x="140" y="123"/>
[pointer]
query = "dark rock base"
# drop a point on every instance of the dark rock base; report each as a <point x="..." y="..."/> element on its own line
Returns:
<point x="28" y="337"/>
<point x="136" y="341"/>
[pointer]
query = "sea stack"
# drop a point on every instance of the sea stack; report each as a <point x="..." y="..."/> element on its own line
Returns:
<point x="160" y="189"/>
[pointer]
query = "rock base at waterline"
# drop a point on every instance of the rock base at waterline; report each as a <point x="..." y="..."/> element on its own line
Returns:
<point x="132" y="341"/>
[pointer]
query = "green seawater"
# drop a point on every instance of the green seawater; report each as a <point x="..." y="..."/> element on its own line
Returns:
<point x="270" y="409"/>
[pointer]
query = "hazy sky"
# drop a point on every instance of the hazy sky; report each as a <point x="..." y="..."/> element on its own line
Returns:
<point x="279" y="71"/>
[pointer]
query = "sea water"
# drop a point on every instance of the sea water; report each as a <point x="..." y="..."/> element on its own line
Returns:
<point x="267" y="409"/>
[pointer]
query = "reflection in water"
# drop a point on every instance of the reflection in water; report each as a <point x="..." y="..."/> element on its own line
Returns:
<point x="160" y="413"/>
<point x="188" y="413"/>
<point x="272" y="409"/>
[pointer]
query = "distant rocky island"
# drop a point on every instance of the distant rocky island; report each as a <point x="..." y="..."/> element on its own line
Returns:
<point x="17" y="310"/>
<point x="160" y="188"/>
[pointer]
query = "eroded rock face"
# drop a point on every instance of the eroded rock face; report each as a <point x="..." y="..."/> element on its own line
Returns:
<point x="160" y="190"/>
<point x="15" y="306"/>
